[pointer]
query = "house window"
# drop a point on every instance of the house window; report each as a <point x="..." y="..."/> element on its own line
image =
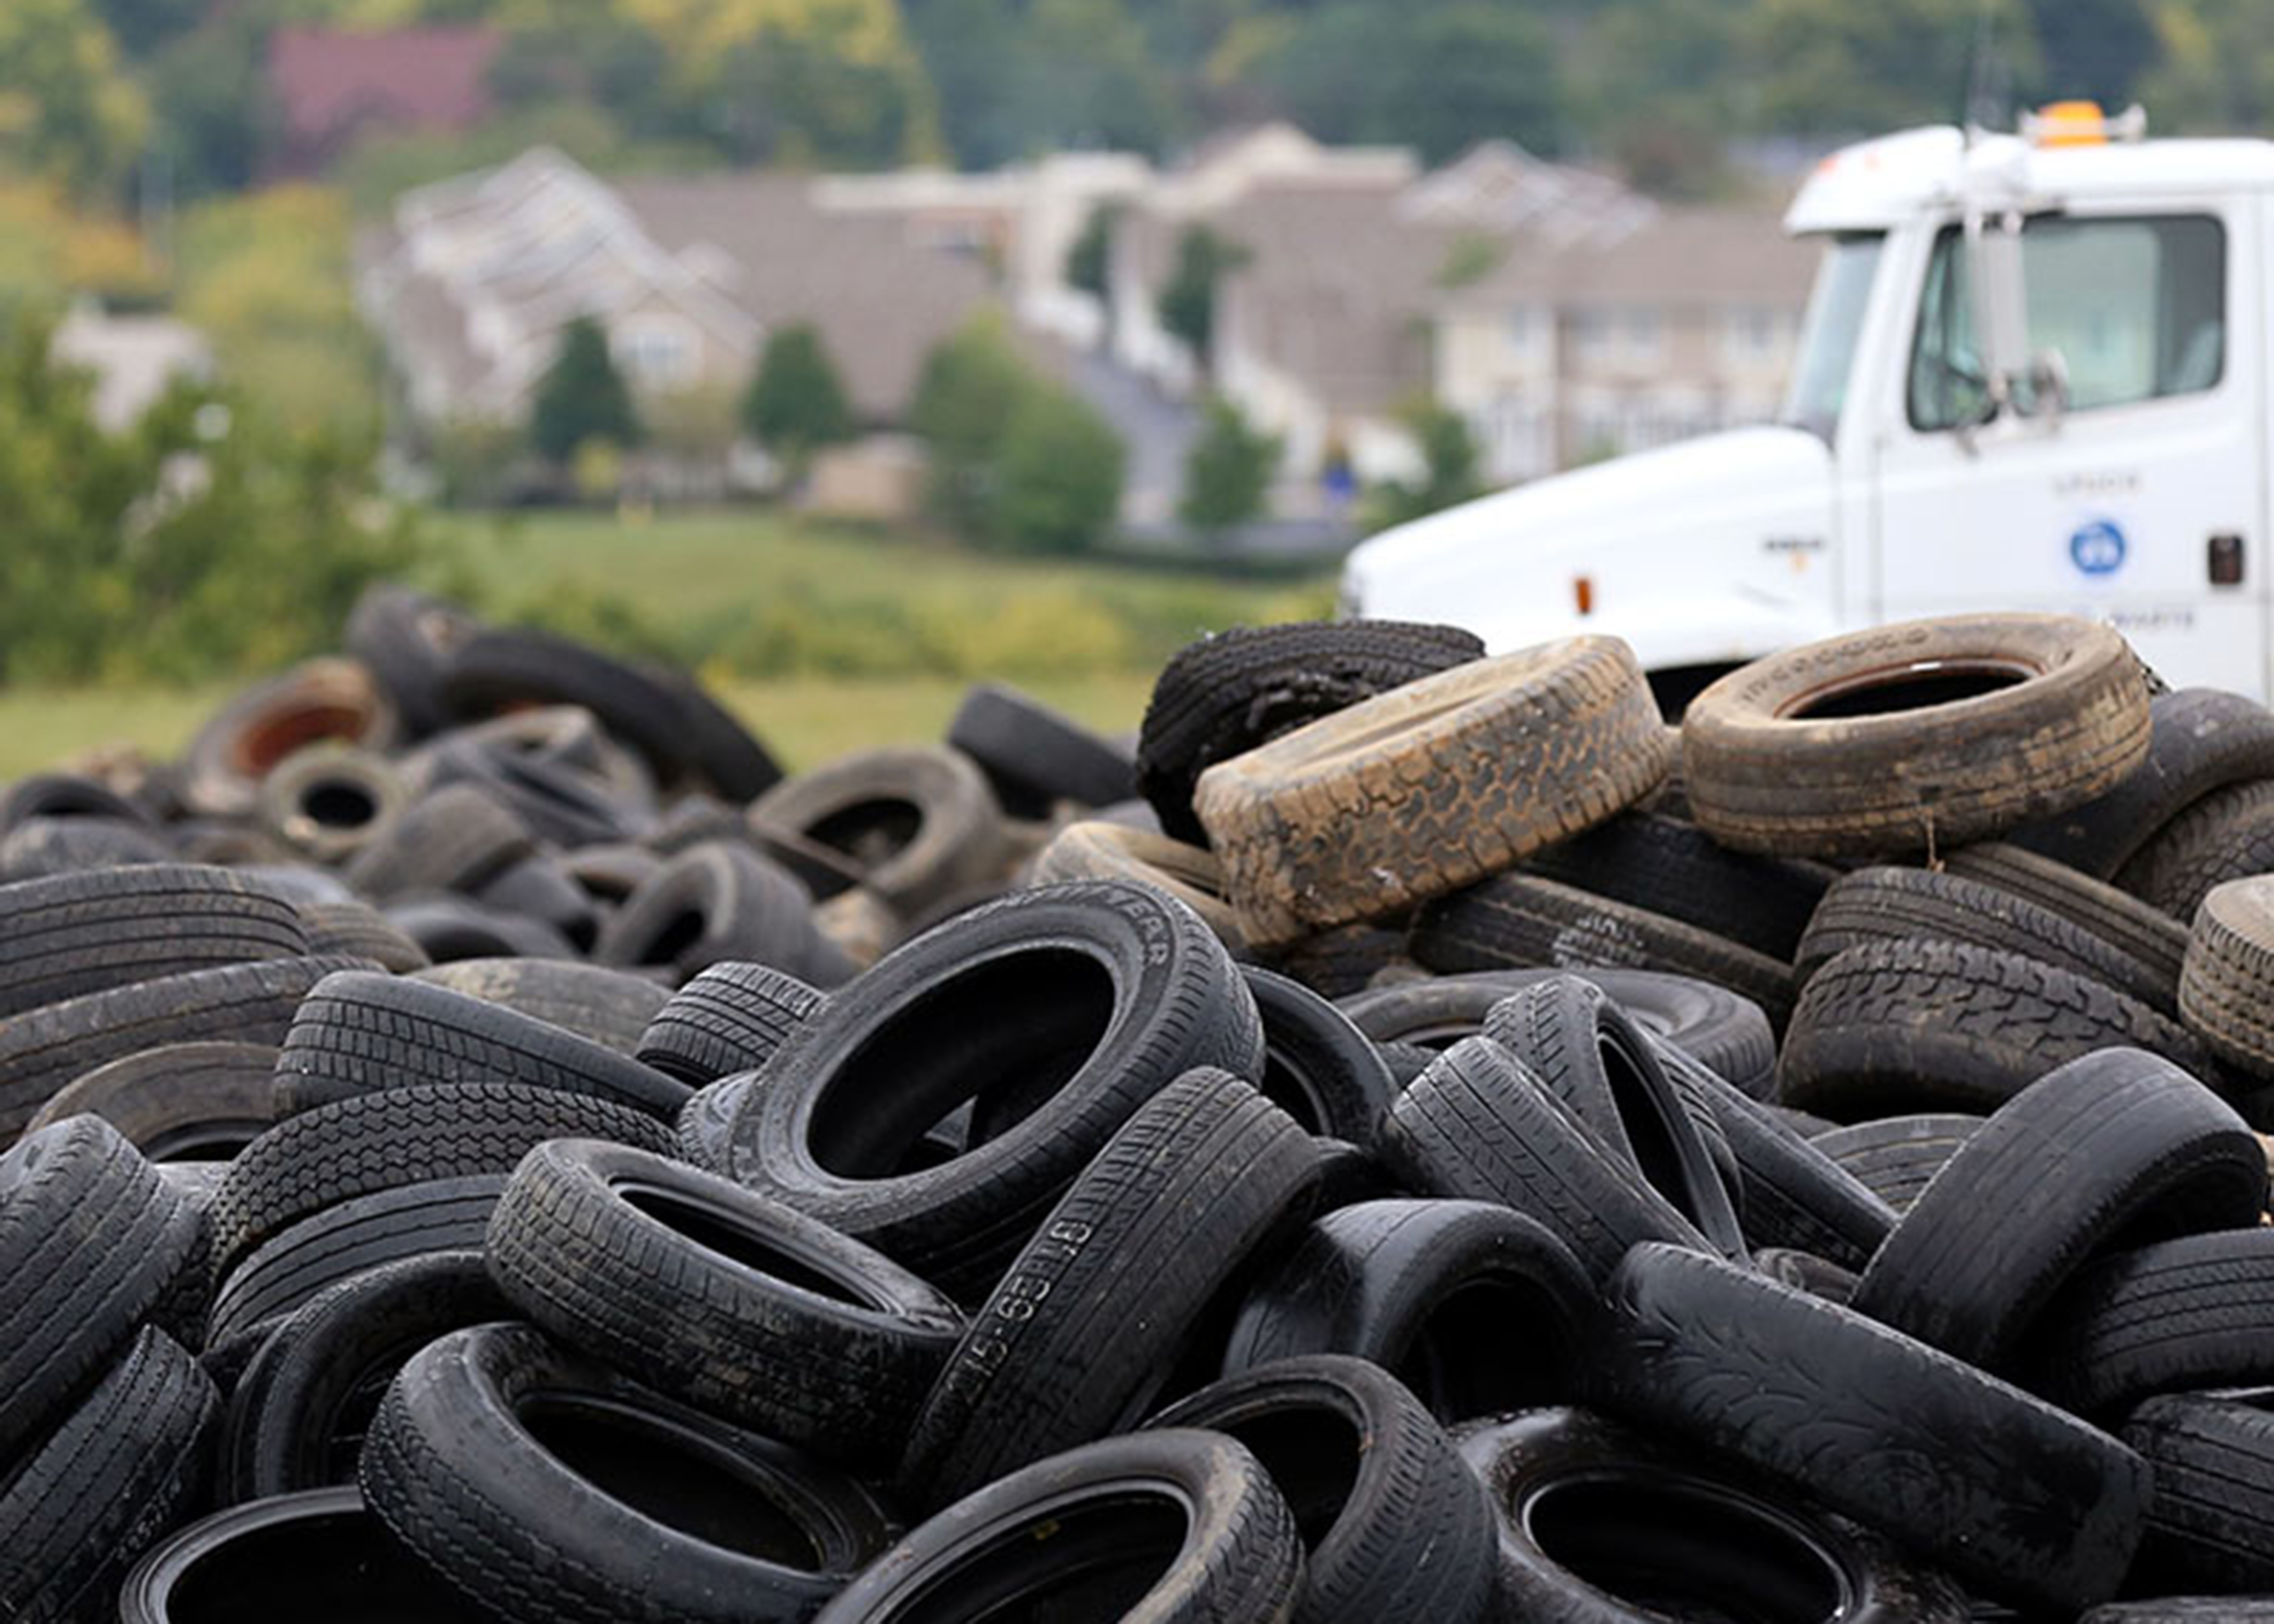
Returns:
<point x="657" y="350"/>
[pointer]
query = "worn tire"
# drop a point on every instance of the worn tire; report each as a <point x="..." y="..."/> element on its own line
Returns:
<point x="2211" y="1527"/>
<point x="196" y="1103"/>
<point x="2117" y="917"/>
<point x="1035" y="757"/>
<point x="716" y="902"/>
<point x="1913" y="1026"/>
<point x="918" y="820"/>
<point x="1431" y="789"/>
<point x="611" y="1007"/>
<point x="730" y="1017"/>
<point x="453" y="1466"/>
<point x="714" y="1295"/>
<point x="452" y="838"/>
<point x="1118" y="991"/>
<point x="1916" y="736"/>
<point x="2226" y="989"/>
<point x="1191" y="874"/>
<point x="358" y="930"/>
<point x="1226" y="693"/>
<point x="327" y="698"/>
<point x="1429" y="1290"/>
<point x="2116" y="1144"/>
<point x="1194" y="1185"/>
<point x="2022" y="1502"/>
<point x="1896" y="1157"/>
<point x="1317" y="1066"/>
<point x="2227" y="835"/>
<point x="1673" y="868"/>
<point x="1395" y="1524"/>
<point x="2190" y="1315"/>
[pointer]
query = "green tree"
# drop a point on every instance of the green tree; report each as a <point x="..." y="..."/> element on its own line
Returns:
<point x="1094" y="80"/>
<point x="972" y="384"/>
<point x="2214" y="66"/>
<point x="1449" y="462"/>
<point x="582" y="397"/>
<point x="1228" y="471"/>
<point x="66" y="110"/>
<point x="1061" y="474"/>
<point x="1827" y="67"/>
<point x="1187" y="299"/>
<point x="796" y="403"/>
<point x="210" y="101"/>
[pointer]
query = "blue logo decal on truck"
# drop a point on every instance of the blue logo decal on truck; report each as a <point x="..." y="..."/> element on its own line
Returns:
<point x="2099" y="548"/>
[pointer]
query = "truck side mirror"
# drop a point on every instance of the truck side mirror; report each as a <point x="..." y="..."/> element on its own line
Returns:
<point x="2001" y="314"/>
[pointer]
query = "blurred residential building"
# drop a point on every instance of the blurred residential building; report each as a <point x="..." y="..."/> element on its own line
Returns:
<point x="334" y="88"/>
<point x="134" y="359"/>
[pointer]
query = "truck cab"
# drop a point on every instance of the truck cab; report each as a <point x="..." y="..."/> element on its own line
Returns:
<point x="2032" y="376"/>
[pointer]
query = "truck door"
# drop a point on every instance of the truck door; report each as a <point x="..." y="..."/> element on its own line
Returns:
<point x="2123" y="481"/>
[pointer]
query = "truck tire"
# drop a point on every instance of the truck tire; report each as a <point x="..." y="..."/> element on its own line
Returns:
<point x="1224" y="695"/>
<point x="1431" y="787"/>
<point x="1914" y="737"/>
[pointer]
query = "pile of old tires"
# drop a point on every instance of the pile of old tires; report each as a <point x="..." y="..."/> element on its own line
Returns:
<point x="1413" y="1139"/>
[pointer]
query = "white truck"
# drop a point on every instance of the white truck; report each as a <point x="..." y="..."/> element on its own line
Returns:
<point x="2033" y="375"/>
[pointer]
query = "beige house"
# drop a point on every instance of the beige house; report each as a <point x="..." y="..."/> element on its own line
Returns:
<point x="1680" y="326"/>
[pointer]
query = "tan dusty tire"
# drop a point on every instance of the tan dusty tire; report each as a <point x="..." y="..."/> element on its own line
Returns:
<point x="1191" y="874"/>
<point x="1925" y="734"/>
<point x="2226" y="987"/>
<point x="1431" y="786"/>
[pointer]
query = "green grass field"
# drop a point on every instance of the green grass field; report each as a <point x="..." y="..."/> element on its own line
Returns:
<point x="824" y="641"/>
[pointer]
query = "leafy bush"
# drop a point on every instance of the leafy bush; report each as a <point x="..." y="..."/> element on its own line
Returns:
<point x="582" y="397"/>
<point x="1061" y="475"/>
<point x="797" y="401"/>
<point x="1228" y="473"/>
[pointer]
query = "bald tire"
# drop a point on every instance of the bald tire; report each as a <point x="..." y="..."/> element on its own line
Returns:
<point x="1940" y="765"/>
<point x="1431" y="787"/>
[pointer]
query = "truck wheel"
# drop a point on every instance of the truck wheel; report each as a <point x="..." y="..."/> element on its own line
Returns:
<point x="1916" y="736"/>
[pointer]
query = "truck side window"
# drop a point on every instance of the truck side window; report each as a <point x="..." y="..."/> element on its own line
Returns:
<point x="2134" y="308"/>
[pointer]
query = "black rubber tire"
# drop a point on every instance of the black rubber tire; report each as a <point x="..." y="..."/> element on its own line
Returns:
<point x="1582" y="1047"/>
<point x="2117" y="917"/>
<point x="730" y="1017"/>
<point x="92" y="1241"/>
<point x="451" y="839"/>
<point x="1910" y="1026"/>
<point x="1666" y="1532"/>
<point x="1101" y="851"/>
<point x="407" y="1221"/>
<point x="1393" y="1524"/>
<point x="296" y="1414"/>
<point x="2118" y="1144"/>
<point x="197" y="1102"/>
<point x="1720" y="1029"/>
<point x="2202" y="740"/>
<point x="450" y="929"/>
<point x="720" y="750"/>
<point x="76" y="933"/>
<point x="539" y="888"/>
<point x="319" y="1555"/>
<point x="502" y="668"/>
<point x="1336" y="964"/>
<point x="2226" y="985"/>
<point x="360" y="931"/>
<point x="1073" y="1003"/>
<point x="1317" y="1066"/>
<point x="2211" y="1527"/>
<point x="1804" y="1271"/>
<point x="2227" y="835"/>
<point x="611" y="1007"/>
<point x="2190" y="1315"/>
<point x="711" y="1294"/>
<point x="328" y="802"/>
<point x="918" y="820"/>
<point x="1078" y="1529"/>
<point x="716" y="902"/>
<point x="567" y="802"/>
<point x="2186" y="1610"/>
<point x="356" y="1032"/>
<point x="1226" y="693"/>
<point x="2023" y="1502"/>
<point x="405" y="638"/>
<point x="1035" y="757"/>
<point x="121" y="1471"/>
<point x="1429" y="1291"/>
<point x="1202" y="1179"/>
<point x="1894" y="1157"/>
<point x="392" y="1137"/>
<point x="1908" y="737"/>
<point x="1791" y="1193"/>
<point x="1521" y="921"/>
<point x="42" y="847"/>
<point x="1674" y="868"/>
<point x="1477" y="1125"/>
<point x="1881" y="904"/>
<point x="63" y="796"/>
<point x="451" y="1466"/>
<point x="42" y="1049"/>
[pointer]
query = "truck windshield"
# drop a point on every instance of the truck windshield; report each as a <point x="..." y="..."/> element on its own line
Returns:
<point x="1828" y="338"/>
